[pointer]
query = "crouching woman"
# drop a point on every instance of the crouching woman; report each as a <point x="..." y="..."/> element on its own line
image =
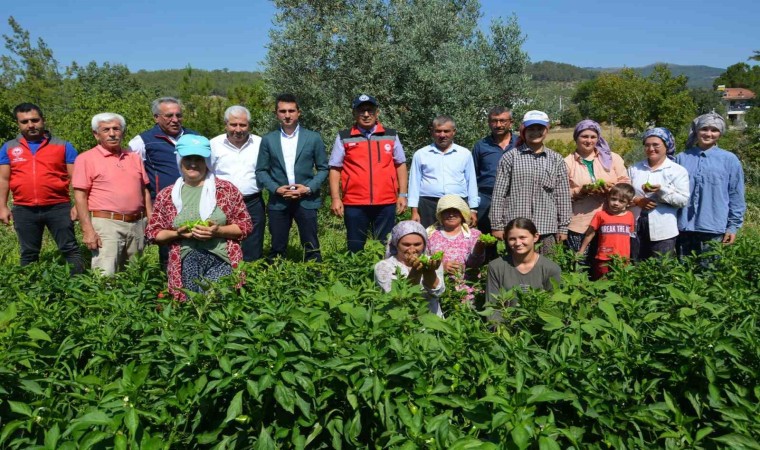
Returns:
<point x="201" y="218"/>
<point x="407" y="243"/>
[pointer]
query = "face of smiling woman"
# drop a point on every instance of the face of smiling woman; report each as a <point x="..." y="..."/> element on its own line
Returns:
<point x="193" y="169"/>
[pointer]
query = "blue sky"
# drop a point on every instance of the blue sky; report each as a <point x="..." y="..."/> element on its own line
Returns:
<point x="210" y="35"/>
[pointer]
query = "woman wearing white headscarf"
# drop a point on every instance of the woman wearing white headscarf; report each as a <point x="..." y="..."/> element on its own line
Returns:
<point x="407" y="243"/>
<point x="205" y="252"/>
<point x="716" y="206"/>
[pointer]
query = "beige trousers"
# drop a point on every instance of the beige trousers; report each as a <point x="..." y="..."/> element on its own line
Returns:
<point x="121" y="241"/>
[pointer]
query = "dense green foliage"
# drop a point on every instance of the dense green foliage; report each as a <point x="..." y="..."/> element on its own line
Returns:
<point x="315" y="355"/>
<point x="634" y="102"/>
<point x="420" y="59"/>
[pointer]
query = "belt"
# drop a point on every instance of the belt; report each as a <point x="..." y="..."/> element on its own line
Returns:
<point x="118" y="216"/>
<point x="251" y="197"/>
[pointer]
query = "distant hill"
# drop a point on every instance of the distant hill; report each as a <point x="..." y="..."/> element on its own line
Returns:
<point x="699" y="76"/>
<point x="554" y="71"/>
<point x="167" y="82"/>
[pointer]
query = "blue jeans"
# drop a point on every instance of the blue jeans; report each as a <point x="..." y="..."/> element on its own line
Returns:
<point x="358" y="219"/>
<point x="253" y="245"/>
<point x="30" y="223"/>
<point x="280" y="221"/>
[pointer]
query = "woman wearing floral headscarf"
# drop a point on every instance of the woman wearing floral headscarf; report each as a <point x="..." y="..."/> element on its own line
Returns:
<point x="592" y="161"/>
<point x="662" y="186"/>
<point x="407" y="243"/>
<point x="716" y="207"/>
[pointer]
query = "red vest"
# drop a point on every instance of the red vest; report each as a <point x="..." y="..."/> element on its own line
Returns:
<point x="369" y="172"/>
<point x="40" y="179"/>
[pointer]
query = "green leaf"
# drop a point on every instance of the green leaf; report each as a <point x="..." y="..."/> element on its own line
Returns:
<point x="38" y="335"/>
<point x="609" y="310"/>
<point x="236" y="406"/>
<point x="520" y="436"/>
<point x="736" y="441"/>
<point x="433" y="322"/>
<point x="552" y="321"/>
<point x="284" y="397"/>
<point x="131" y="421"/>
<point x="264" y="442"/>
<point x="51" y="437"/>
<point x="400" y="368"/>
<point x="547" y="443"/>
<point x="9" y="428"/>
<point x="93" y="418"/>
<point x="542" y="393"/>
<point x="20" y="408"/>
<point x="702" y="433"/>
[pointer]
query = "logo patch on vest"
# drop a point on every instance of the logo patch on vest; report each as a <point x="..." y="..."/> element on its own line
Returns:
<point x="350" y="145"/>
<point x="16" y="153"/>
<point x="388" y="148"/>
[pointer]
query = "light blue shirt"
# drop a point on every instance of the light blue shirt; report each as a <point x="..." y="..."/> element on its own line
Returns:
<point x="717" y="201"/>
<point x="435" y="174"/>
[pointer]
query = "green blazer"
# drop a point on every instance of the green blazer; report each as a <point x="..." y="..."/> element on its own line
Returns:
<point x="310" y="167"/>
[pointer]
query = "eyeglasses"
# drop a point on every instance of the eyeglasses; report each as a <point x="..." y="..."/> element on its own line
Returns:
<point x="168" y="116"/>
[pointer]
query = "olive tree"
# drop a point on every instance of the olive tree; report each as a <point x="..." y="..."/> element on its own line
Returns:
<point x="419" y="58"/>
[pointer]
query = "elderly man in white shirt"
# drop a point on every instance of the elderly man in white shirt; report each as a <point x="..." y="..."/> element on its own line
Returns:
<point x="233" y="158"/>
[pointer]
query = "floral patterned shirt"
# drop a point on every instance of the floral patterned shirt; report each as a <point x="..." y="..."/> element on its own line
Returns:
<point x="228" y="199"/>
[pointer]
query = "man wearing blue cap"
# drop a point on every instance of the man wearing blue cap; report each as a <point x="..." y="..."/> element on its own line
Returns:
<point x="368" y="175"/>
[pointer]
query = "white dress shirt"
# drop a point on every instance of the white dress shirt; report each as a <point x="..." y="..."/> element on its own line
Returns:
<point x="289" y="144"/>
<point x="236" y="165"/>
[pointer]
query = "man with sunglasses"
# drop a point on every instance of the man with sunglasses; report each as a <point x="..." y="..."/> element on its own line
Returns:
<point x="37" y="168"/>
<point x="156" y="148"/>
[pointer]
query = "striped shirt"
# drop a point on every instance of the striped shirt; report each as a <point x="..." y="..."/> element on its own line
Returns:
<point x="534" y="186"/>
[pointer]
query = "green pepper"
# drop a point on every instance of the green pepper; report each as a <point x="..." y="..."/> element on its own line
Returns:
<point x="487" y="239"/>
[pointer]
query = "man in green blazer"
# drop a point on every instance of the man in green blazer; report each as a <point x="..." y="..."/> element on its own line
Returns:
<point x="292" y="165"/>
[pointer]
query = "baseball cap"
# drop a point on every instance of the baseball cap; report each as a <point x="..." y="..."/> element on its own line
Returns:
<point x="191" y="144"/>
<point x="363" y="98"/>
<point x="535" y="117"/>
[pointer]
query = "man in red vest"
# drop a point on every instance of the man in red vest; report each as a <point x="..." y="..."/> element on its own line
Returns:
<point x="36" y="167"/>
<point x="368" y="176"/>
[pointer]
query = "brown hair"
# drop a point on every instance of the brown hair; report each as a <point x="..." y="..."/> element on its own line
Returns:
<point x="521" y="223"/>
<point x="624" y="190"/>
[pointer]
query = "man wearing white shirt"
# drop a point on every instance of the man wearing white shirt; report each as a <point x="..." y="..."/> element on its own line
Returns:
<point x="292" y="166"/>
<point x="233" y="158"/>
<point x="442" y="168"/>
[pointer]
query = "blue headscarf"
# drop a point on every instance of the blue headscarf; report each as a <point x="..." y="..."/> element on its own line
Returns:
<point x="602" y="147"/>
<point x="666" y="136"/>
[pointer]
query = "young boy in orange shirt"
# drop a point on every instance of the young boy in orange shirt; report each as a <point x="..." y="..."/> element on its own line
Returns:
<point x="615" y="225"/>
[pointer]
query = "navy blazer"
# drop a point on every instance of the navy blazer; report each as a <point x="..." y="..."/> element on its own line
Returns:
<point x="310" y="167"/>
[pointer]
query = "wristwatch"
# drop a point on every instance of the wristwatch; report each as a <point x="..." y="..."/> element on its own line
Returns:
<point x="403" y="194"/>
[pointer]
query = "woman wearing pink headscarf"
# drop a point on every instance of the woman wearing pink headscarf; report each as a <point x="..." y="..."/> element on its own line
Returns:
<point x="592" y="161"/>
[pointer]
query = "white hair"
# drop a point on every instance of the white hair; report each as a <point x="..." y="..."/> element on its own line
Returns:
<point x="154" y="107"/>
<point x="236" y="110"/>
<point x="97" y="119"/>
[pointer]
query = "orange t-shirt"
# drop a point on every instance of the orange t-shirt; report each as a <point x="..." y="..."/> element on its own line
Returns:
<point x="614" y="234"/>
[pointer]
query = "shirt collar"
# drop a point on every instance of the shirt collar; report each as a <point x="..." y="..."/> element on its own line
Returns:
<point x="451" y="149"/>
<point x="245" y="144"/>
<point x="285" y="135"/>
<point x="105" y="152"/>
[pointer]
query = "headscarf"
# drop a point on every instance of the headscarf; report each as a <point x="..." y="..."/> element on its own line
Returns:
<point x="208" y="193"/>
<point x="402" y="229"/>
<point x="452" y="201"/>
<point x="711" y="119"/>
<point x="666" y="136"/>
<point x="602" y="147"/>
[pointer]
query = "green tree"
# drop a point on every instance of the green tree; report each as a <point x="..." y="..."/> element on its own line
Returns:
<point x="634" y="102"/>
<point x="28" y="72"/>
<point x="419" y="59"/>
<point x="740" y="75"/>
